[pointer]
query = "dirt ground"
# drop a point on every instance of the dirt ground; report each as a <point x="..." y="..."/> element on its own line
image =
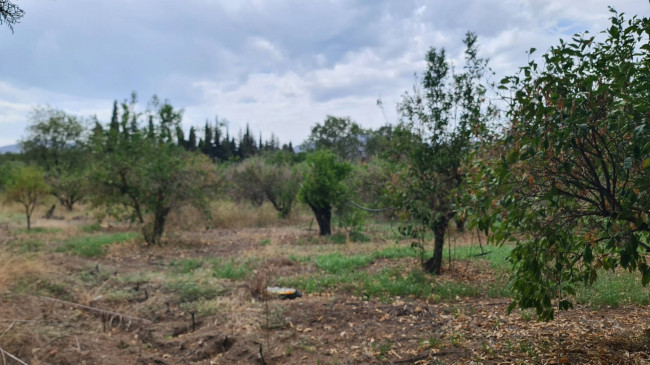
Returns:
<point x="147" y="326"/>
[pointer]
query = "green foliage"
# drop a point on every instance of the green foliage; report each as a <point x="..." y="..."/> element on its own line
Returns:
<point x="94" y="246"/>
<point x="323" y="186"/>
<point x="185" y="266"/>
<point x="144" y="170"/>
<point x="571" y="182"/>
<point x="439" y="123"/>
<point x="341" y="136"/>
<point x="614" y="289"/>
<point x="230" y="269"/>
<point x="27" y="186"/>
<point x="259" y="179"/>
<point x="369" y="180"/>
<point x="55" y="142"/>
<point x="9" y="169"/>
<point x="192" y="290"/>
<point x="337" y="262"/>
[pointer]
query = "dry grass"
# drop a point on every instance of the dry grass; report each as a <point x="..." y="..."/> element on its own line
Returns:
<point x="228" y="214"/>
<point x="14" y="268"/>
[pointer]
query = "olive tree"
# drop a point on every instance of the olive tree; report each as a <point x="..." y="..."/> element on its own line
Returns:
<point x="572" y="179"/>
<point x="263" y="178"/>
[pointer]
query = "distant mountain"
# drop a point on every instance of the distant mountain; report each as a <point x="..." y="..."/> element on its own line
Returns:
<point x="14" y="148"/>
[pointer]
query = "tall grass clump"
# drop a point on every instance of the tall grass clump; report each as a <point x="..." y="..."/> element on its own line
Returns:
<point x="94" y="246"/>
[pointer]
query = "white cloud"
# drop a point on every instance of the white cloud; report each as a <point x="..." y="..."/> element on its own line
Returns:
<point x="280" y="65"/>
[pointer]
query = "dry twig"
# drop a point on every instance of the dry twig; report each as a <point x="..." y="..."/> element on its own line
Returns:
<point x="12" y="356"/>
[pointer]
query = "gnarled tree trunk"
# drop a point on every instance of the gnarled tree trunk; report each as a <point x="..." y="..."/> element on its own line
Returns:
<point x="324" y="219"/>
<point x="153" y="232"/>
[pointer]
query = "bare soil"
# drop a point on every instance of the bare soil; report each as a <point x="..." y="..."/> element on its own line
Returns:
<point x="148" y="326"/>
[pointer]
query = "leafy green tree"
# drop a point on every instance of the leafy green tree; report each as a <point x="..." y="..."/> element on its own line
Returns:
<point x="55" y="141"/>
<point x="441" y="119"/>
<point x="572" y="179"/>
<point x="277" y="182"/>
<point x="27" y="186"/>
<point x="340" y="135"/>
<point x="149" y="175"/>
<point x="8" y="169"/>
<point x="323" y="186"/>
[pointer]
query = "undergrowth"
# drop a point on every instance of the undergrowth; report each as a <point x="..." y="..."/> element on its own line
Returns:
<point x="94" y="246"/>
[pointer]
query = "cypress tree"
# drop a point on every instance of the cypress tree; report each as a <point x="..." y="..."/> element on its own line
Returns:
<point x="151" y="130"/>
<point x="191" y="142"/>
<point x="207" y="139"/>
<point x="180" y="136"/>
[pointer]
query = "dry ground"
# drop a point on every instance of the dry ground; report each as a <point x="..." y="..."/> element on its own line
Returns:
<point x="146" y="322"/>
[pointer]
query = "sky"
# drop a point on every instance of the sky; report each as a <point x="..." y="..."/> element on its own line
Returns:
<point x="280" y="66"/>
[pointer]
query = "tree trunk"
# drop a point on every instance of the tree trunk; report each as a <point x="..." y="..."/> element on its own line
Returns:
<point x="29" y="226"/>
<point x="324" y="218"/>
<point x="50" y="212"/>
<point x="434" y="264"/>
<point x="153" y="234"/>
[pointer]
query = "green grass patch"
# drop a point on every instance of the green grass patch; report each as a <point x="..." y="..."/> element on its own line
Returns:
<point x="336" y="262"/>
<point x="191" y="291"/>
<point x="27" y="246"/>
<point x="356" y="236"/>
<point x="185" y="266"/>
<point x="614" y="289"/>
<point x="390" y="282"/>
<point x="94" y="246"/>
<point x="265" y="242"/>
<point x="230" y="269"/>
<point x="37" y="230"/>
<point x="91" y="228"/>
<point x="497" y="255"/>
<point x="339" y="238"/>
<point x="345" y="272"/>
<point x="386" y="282"/>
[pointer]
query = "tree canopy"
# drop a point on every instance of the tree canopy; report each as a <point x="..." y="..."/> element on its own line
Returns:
<point x="440" y="120"/>
<point x="571" y="182"/>
<point x="323" y="186"/>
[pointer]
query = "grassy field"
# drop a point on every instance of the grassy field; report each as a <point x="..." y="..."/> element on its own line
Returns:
<point x="78" y="289"/>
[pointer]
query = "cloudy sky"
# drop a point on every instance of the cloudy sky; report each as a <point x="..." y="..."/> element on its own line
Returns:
<point x="279" y="65"/>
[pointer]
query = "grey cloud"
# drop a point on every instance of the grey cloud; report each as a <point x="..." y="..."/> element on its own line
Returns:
<point x="337" y="52"/>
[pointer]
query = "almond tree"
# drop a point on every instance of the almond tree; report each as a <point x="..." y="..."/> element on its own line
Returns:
<point x="441" y="119"/>
<point x="570" y="185"/>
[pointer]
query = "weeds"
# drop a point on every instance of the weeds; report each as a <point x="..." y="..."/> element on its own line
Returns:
<point x="614" y="289"/>
<point x="185" y="266"/>
<point x="191" y="291"/>
<point x="230" y="269"/>
<point x="37" y="230"/>
<point x="94" y="246"/>
<point x="91" y="228"/>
